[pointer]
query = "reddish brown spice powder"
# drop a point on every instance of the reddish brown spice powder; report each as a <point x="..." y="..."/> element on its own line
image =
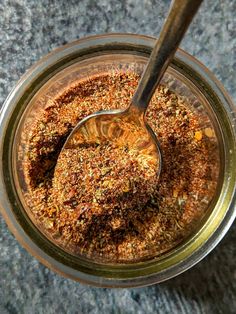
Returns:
<point x="113" y="213"/>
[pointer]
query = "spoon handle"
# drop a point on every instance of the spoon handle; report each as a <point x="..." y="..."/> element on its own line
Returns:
<point x="180" y="16"/>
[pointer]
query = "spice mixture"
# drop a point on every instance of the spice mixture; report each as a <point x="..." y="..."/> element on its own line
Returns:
<point x="102" y="201"/>
<point x="108" y="176"/>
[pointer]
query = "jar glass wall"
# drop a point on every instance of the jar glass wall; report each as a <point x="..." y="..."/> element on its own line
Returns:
<point x="77" y="62"/>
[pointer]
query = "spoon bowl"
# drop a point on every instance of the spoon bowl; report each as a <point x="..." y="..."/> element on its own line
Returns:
<point x="123" y="128"/>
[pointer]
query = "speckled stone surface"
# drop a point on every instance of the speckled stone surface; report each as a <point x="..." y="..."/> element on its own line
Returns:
<point x="28" y="30"/>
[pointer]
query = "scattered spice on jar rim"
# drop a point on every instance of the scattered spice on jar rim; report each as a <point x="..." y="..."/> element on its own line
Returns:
<point x="105" y="203"/>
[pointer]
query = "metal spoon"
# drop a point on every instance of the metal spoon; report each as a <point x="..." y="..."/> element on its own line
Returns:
<point x="128" y="127"/>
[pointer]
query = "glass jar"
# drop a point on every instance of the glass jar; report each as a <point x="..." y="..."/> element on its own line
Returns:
<point x="91" y="56"/>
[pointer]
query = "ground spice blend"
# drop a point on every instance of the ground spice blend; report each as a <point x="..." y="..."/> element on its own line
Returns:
<point x="104" y="204"/>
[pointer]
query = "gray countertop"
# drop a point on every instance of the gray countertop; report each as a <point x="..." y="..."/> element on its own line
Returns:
<point x="28" y="30"/>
